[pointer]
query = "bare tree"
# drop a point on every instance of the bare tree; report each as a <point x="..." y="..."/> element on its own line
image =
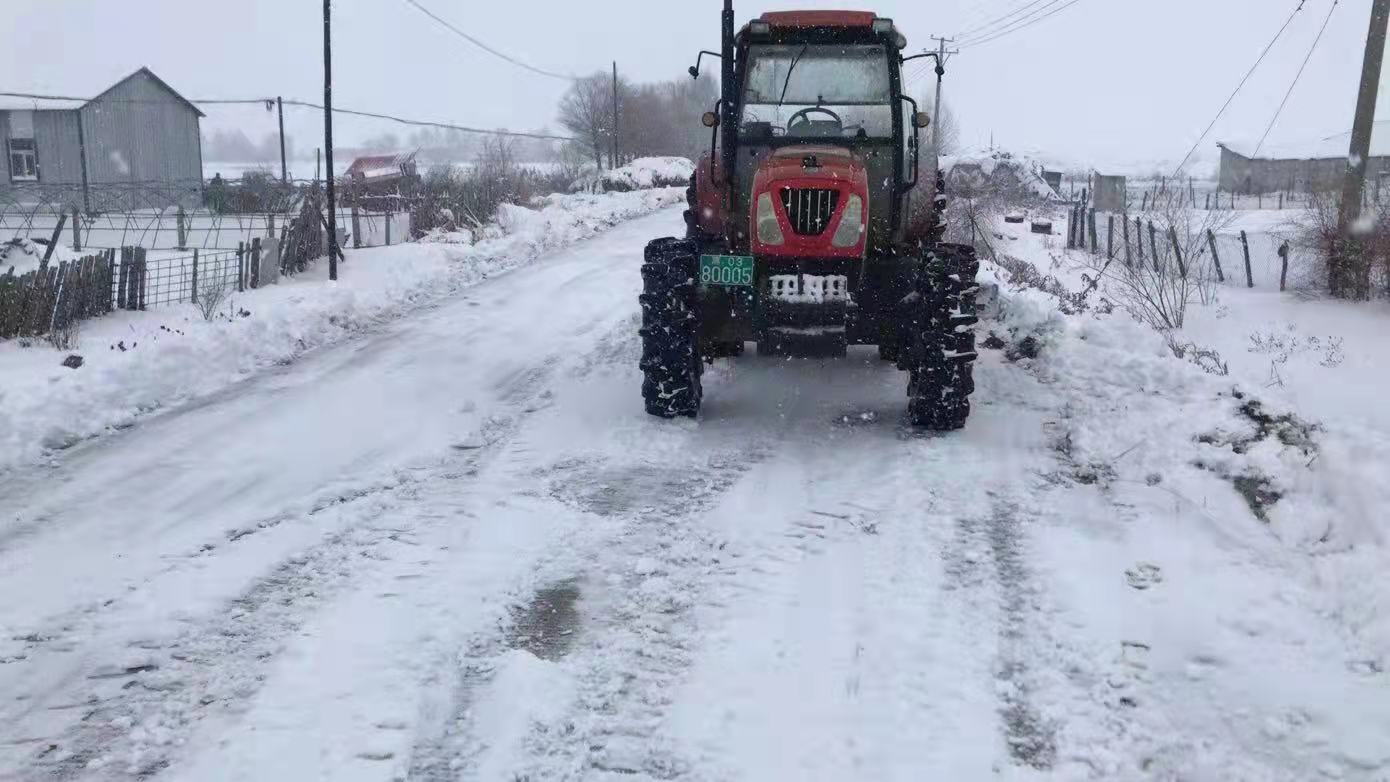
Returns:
<point x="946" y="126"/>
<point x="586" y="110"/>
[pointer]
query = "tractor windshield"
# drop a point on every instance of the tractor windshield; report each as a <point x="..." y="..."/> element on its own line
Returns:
<point x="818" y="91"/>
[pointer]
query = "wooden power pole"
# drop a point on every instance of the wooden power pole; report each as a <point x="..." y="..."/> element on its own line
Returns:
<point x="1341" y="274"/>
<point x="328" y="140"/>
<point x="613" y="158"/>
<point x="284" y="164"/>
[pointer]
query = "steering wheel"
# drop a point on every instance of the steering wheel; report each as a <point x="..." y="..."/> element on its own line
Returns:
<point x="804" y="116"/>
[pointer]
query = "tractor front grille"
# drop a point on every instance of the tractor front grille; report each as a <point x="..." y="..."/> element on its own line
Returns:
<point x="809" y="209"/>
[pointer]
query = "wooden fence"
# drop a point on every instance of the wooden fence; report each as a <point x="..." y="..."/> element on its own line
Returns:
<point x="1127" y="241"/>
<point x="53" y="298"/>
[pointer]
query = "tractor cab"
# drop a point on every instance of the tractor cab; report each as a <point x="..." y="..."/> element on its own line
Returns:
<point x="797" y="237"/>
<point x="825" y="89"/>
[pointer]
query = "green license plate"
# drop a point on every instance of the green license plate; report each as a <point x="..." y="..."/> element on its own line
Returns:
<point x="726" y="270"/>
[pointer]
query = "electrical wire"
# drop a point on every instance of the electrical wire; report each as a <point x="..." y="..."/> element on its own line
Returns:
<point x="992" y="22"/>
<point x="485" y="47"/>
<point x="1296" y="77"/>
<point x="429" y="124"/>
<point x="1051" y="9"/>
<point x="270" y="102"/>
<point x="1239" y="87"/>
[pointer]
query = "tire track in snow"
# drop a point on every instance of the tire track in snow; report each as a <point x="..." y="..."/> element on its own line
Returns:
<point x="135" y="713"/>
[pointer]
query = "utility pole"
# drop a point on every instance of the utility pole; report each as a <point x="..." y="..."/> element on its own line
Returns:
<point x="941" y="57"/>
<point x="284" y="165"/>
<point x="614" y="158"/>
<point x="328" y="139"/>
<point x="1340" y="274"/>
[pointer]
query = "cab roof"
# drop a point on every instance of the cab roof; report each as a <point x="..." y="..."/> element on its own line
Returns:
<point x="819" y="18"/>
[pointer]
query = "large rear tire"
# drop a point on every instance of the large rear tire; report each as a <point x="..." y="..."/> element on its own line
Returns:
<point x="671" y="364"/>
<point x="941" y="329"/>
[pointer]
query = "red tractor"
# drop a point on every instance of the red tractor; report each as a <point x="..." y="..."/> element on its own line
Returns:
<point x="800" y="233"/>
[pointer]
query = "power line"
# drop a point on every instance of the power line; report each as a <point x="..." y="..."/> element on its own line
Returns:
<point x="1024" y="23"/>
<point x="485" y="47"/>
<point x="429" y="124"/>
<point x="992" y="22"/>
<point x="304" y="104"/>
<point x="1296" y="77"/>
<point x="1240" y="86"/>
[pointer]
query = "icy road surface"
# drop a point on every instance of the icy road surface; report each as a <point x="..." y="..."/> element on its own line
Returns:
<point x="455" y="548"/>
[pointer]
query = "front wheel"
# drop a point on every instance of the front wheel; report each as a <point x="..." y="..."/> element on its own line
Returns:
<point x="940" y="355"/>
<point x="670" y="362"/>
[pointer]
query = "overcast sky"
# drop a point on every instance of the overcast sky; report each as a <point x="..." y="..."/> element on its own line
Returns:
<point x="1109" y="83"/>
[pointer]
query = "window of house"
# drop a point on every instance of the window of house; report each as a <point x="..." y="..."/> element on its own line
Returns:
<point x="24" y="160"/>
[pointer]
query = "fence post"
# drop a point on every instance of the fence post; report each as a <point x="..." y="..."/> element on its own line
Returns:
<point x="1144" y="207"/>
<point x="1245" y="247"/>
<point x="123" y="279"/>
<point x="1284" y="265"/>
<point x="241" y="267"/>
<point x="76" y="231"/>
<point x="1091" y="222"/>
<point x="53" y="240"/>
<point x="181" y="228"/>
<point x="194" y="295"/>
<point x="255" y="262"/>
<point x="1110" y="237"/>
<point x="388" y="229"/>
<point x="1281" y="200"/>
<point x="1139" y="238"/>
<point x="356" y="229"/>
<point x="1233" y="200"/>
<point x="1215" y="259"/>
<point x="144" y="268"/>
<point x="1208" y="206"/>
<point x="1177" y="251"/>
<point x="1129" y="258"/>
<point x="270" y="225"/>
<point x="1153" y="246"/>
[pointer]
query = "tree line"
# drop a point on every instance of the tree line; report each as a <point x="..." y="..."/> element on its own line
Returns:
<point x="661" y="118"/>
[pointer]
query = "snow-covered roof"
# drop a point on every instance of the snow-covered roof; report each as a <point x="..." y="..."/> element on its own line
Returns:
<point x="38" y="104"/>
<point x="377" y="166"/>
<point x="1323" y="148"/>
<point x="79" y="96"/>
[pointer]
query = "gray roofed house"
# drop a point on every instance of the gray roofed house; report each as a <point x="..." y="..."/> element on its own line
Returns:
<point x="138" y="134"/>
<point x="1312" y="166"/>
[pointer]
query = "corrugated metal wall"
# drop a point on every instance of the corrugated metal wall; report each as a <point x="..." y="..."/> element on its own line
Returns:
<point x="55" y="140"/>
<point x="4" y="149"/>
<point x="139" y="132"/>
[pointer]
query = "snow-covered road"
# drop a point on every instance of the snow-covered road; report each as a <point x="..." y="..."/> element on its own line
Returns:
<point x="455" y="548"/>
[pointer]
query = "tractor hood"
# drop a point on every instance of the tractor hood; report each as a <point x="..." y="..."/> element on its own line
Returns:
<point x="810" y="201"/>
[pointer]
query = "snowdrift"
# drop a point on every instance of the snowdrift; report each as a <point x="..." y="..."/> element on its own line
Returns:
<point x="141" y="362"/>
<point x="641" y="174"/>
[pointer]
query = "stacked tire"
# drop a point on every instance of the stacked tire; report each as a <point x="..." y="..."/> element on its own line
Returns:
<point x="940" y="356"/>
<point x="671" y="363"/>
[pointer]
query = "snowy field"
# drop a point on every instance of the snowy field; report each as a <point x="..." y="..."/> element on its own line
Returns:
<point x="448" y="544"/>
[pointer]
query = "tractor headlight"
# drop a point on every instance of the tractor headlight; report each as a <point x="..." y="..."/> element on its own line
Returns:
<point x="851" y="224"/>
<point x="769" y="232"/>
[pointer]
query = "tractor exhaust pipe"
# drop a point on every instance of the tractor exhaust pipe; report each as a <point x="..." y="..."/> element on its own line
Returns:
<point x="728" y="124"/>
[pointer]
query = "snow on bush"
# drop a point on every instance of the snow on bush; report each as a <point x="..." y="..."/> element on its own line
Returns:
<point x="141" y="362"/>
<point x="641" y="174"/>
<point x="1231" y="448"/>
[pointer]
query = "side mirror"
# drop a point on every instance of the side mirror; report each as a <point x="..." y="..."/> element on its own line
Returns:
<point x="694" y="72"/>
<point x="709" y="119"/>
<point x="921" y="119"/>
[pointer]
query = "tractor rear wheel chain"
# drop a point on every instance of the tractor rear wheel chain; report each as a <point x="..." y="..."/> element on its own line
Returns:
<point x="941" y="327"/>
<point x="670" y="362"/>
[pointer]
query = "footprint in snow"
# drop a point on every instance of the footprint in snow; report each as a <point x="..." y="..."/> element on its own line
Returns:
<point x="1144" y="575"/>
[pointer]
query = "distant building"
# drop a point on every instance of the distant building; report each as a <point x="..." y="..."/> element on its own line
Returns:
<point x="372" y="178"/>
<point x="137" y="132"/>
<point x="1311" y="167"/>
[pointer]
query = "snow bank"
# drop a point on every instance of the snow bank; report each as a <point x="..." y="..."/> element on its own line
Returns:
<point x="641" y="174"/>
<point x="141" y="362"/>
<point x="26" y="255"/>
<point x="1294" y="462"/>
